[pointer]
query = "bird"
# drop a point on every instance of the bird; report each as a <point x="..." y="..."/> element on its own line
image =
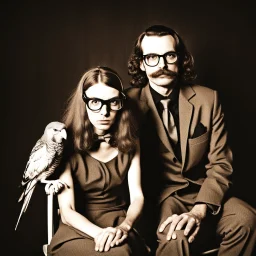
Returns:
<point x="43" y="160"/>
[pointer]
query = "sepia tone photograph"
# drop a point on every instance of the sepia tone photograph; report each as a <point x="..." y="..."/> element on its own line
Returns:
<point x="128" y="128"/>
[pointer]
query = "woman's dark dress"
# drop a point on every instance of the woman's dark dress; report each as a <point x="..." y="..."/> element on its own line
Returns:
<point x="105" y="198"/>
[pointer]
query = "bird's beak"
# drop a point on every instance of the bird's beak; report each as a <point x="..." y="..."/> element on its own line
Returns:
<point x="63" y="134"/>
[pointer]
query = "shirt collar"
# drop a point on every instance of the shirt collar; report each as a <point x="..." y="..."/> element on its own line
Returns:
<point x="173" y="96"/>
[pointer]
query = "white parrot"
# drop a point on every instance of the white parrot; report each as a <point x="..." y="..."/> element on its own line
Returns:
<point x="43" y="160"/>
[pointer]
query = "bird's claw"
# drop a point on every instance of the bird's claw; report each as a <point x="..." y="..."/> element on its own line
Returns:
<point x="54" y="186"/>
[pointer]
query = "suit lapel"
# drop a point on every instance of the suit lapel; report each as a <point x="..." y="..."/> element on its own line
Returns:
<point x="146" y="96"/>
<point x="185" y="115"/>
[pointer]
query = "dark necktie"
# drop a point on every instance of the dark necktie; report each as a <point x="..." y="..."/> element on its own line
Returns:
<point x="168" y="121"/>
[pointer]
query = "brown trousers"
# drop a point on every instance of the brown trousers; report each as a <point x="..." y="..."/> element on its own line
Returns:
<point x="234" y="227"/>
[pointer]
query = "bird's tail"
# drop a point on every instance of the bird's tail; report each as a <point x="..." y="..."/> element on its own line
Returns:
<point x="25" y="204"/>
<point x="26" y="191"/>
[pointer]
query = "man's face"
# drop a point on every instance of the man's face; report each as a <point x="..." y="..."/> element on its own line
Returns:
<point x="159" y="45"/>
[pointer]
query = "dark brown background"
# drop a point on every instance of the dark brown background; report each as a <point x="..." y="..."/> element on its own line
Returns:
<point x="48" y="45"/>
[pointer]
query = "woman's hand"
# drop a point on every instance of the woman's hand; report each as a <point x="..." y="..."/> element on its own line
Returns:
<point x="110" y="237"/>
<point x="104" y="238"/>
<point x="122" y="233"/>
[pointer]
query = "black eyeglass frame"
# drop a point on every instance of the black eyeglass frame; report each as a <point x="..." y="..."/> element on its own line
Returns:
<point x="159" y="56"/>
<point x="104" y="102"/>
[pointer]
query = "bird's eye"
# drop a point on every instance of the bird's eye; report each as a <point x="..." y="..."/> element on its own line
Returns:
<point x="55" y="130"/>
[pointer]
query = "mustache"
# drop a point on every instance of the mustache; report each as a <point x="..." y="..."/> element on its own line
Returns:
<point x="164" y="72"/>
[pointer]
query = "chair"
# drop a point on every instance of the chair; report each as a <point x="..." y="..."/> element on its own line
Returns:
<point x="50" y="226"/>
<point x="209" y="252"/>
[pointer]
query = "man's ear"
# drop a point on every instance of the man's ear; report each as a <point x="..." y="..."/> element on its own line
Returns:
<point x="142" y="67"/>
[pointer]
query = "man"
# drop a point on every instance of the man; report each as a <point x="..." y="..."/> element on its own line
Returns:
<point x="186" y="160"/>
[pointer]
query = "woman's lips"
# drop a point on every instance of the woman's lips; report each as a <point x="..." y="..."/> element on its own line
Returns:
<point x="104" y="121"/>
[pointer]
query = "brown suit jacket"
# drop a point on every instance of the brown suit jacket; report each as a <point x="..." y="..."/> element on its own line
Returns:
<point x="206" y="158"/>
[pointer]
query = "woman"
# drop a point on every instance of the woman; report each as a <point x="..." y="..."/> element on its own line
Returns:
<point x="105" y="171"/>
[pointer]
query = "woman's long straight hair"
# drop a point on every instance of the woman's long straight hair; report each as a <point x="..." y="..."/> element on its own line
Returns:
<point x="76" y="118"/>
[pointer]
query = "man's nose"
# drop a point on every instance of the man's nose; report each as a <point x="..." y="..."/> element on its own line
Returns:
<point x="162" y="62"/>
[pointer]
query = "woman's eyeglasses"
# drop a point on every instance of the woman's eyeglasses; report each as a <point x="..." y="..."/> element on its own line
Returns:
<point x="96" y="104"/>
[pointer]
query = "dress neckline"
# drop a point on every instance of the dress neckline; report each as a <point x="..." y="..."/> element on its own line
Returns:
<point x="102" y="161"/>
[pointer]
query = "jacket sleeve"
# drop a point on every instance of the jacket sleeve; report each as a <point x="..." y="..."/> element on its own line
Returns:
<point x="219" y="167"/>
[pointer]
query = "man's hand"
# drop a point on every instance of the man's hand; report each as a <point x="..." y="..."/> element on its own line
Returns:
<point x="190" y="220"/>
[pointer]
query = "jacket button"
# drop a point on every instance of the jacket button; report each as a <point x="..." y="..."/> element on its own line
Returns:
<point x="174" y="160"/>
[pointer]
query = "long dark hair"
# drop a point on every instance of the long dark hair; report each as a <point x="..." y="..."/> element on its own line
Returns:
<point x="76" y="118"/>
<point x="185" y="60"/>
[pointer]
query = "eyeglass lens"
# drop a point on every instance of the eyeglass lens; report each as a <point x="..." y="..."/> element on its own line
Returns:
<point x="153" y="59"/>
<point x="96" y="104"/>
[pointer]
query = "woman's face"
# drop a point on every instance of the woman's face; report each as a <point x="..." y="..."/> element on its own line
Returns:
<point x="103" y="118"/>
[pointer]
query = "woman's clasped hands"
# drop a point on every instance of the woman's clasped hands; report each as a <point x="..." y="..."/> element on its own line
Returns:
<point x="111" y="236"/>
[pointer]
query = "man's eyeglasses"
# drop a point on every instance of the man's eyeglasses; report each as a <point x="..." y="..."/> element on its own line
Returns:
<point x="95" y="104"/>
<point x="152" y="59"/>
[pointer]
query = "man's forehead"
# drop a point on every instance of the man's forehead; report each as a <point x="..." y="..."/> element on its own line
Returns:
<point x="157" y="44"/>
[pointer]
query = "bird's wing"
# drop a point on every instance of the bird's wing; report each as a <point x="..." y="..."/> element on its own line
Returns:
<point x="37" y="163"/>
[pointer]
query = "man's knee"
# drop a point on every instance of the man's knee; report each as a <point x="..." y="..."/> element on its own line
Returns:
<point x="242" y="219"/>
<point x="178" y="246"/>
<point x="248" y="221"/>
<point x="246" y="224"/>
<point x="162" y="237"/>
